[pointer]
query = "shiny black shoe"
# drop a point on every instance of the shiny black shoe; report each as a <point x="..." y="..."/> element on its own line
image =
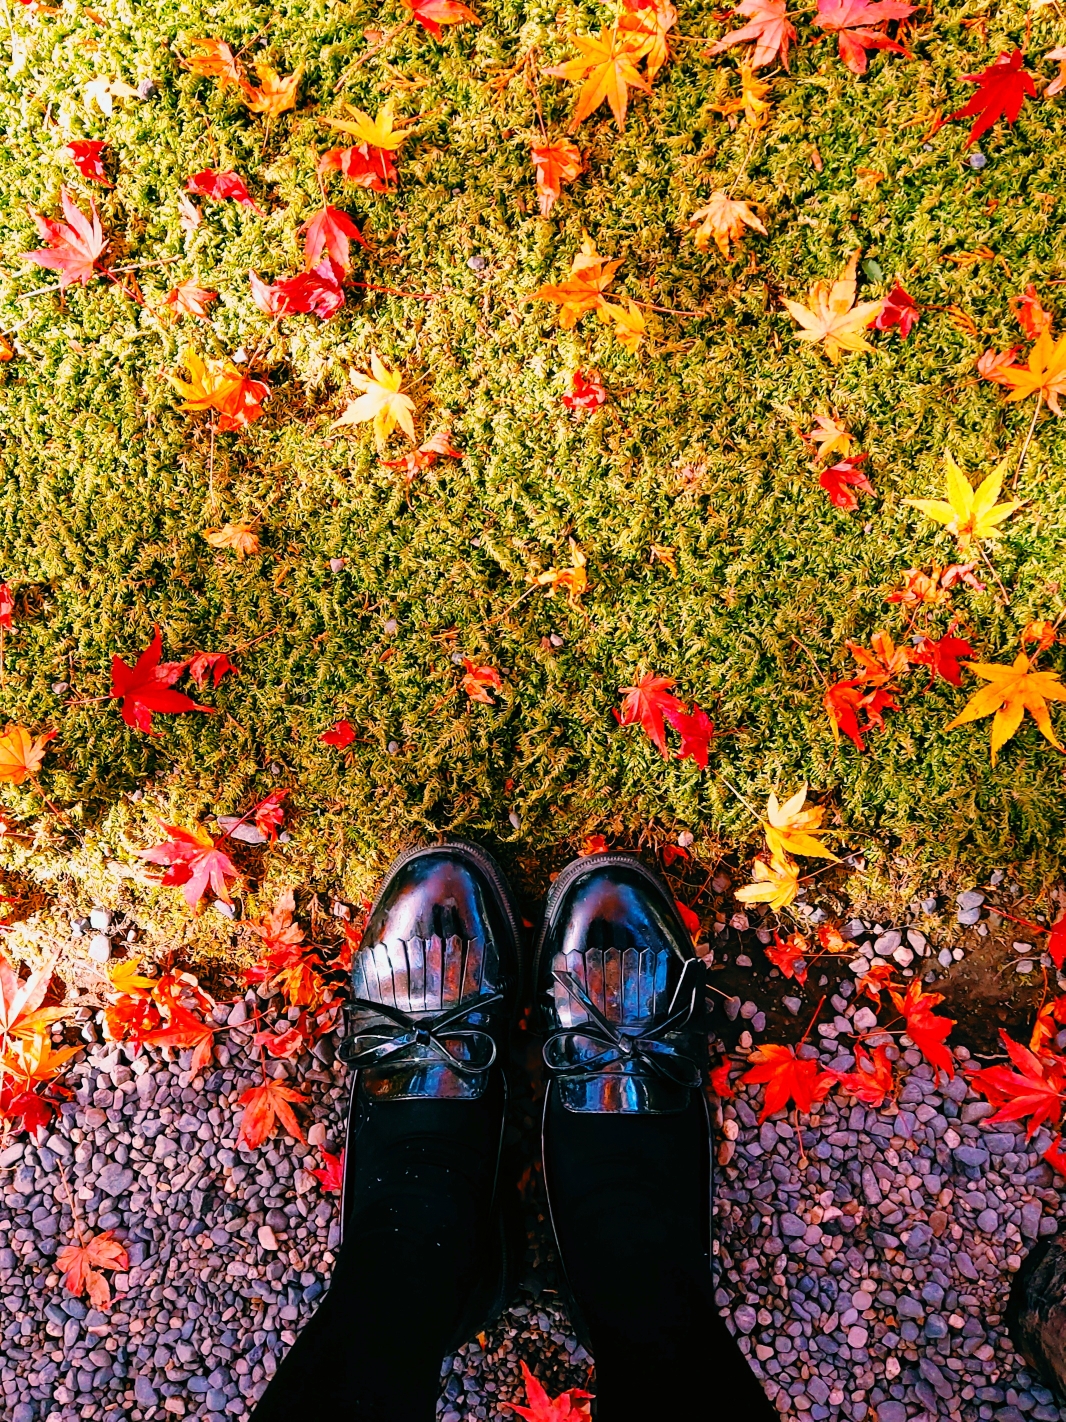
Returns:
<point x="435" y="992"/>
<point x="626" y="1141"/>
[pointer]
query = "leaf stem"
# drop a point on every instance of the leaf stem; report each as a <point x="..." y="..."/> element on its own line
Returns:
<point x="1028" y="437"/>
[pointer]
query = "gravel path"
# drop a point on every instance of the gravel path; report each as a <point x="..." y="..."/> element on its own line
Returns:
<point x="866" y="1278"/>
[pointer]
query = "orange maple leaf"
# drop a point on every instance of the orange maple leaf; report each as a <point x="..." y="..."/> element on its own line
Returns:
<point x="185" y="1030"/>
<point x="556" y="163"/>
<point x="787" y="954"/>
<point x="80" y="1265"/>
<point x="925" y="1029"/>
<point x="264" y="1106"/>
<point x="478" y="681"/>
<point x="1036" y="1088"/>
<point x="606" y="69"/>
<point x="787" y="1078"/>
<point x="871" y="1081"/>
<point x="20" y="755"/>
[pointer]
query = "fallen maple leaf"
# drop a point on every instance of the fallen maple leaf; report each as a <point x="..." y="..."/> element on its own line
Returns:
<point x="185" y="1030"/>
<point x="381" y="403"/>
<point x="768" y="28"/>
<point x="646" y="704"/>
<point x="926" y="1030"/>
<point x="586" y="392"/>
<point x="751" y="100"/>
<point x="7" y="607"/>
<point x="214" y="60"/>
<point x="1011" y="692"/>
<point x="1043" y="375"/>
<point x="219" y="186"/>
<point x="1056" y="942"/>
<point x="874" y="982"/>
<point x="829" y="437"/>
<point x="872" y="1080"/>
<point x="775" y="883"/>
<point x="378" y="133"/>
<point x="80" y="1265"/>
<point x="832" y="316"/>
<point x="831" y="938"/>
<point x="318" y="291"/>
<point x="145" y="687"/>
<point x="340" y="734"/>
<point x="629" y="324"/>
<point x="276" y="93"/>
<point x="431" y="14"/>
<point x="330" y="232"/>
<point x="689" y="919"/>
<point x="898" y="308"/>
<point x="21" y="756"/>
<point x="362" y="164"/>
<point x="478" y="681"/>
<point x="966" y="512"/>
<point x="85" y="154"/>
<point x="189" y="299"/>
<point x="332" y="1177"/>
<point x="21" y="1013"/>
<point x="289" y="965"/>
<point x="1002" y="88"/>
<point x="217" y="384"/>
<point x="883" y="662"/>
<point x="103" y="92"/>
<point x="841" y="478"/>
<point x="573" y="580"/>
<point x="606" y="69"/>
<point x="921" y="589"/>
<point x="992" y="365"/>
<point x="858" y="26"/>
<point x="786" y="1078"/>
<point x="1041" y="633"/>
<point x="264" y="1106"/>
<point x="241" y="537"/>
<point x="570" y="1406"/>
<point x="590" y="276"/>
<point x="189" y="215"/>
<point x="1059" y="82"/>
<point x="787" y="954"/>
<point x="1030" y="313"/>
<point x="1036" y="1088"/>
<point x="593" y="844"/>
<point x="269" y="814"/>
<point x="426" y="455"/>
<point x="29" y="1058"/>
<point x="791" y="829"/>
<point x="194" y="863"/>
<point x="696" y="730"/>
<point x="843" y="701"/>
<point x="210" y="664"/>
<point x="724" y="219"/>
<point x="941" y="656"/>
<point x="719" y="1079"/>
<point x="556" y="163"/>
<point x="75" y="246"/>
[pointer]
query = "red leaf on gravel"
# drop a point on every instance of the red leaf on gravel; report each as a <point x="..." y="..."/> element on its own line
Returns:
<point x="839" y="480"/>
<point x="340" y="734"/>
<point x="332" y="1177"/>
<point x="1055" y="1157"/>
<point x="194" y="862"/>
<point x="75" y="246"/>
<point x="897" y="309"/>
<point x="1002" y="88"/>
<point x="264" y="1106"/>
<point x="210" y="664"/>
<point x="719" y="1079"/>
<point x="871" y="1081"/>
<point x="851" y="22"/>
<point x="185" y="1030"/>
<point x="646" y="704"/>
<point x="32" y="1111"/>
<point x="1036" y="1088"/>
<point x="1056" y="943"/>
<point x="786" y="1078"/>
<point x="925" y="1029"/>
<point x="942" y="657"/>
<point x="364" y="164"/>
<point x="329" y="232"/>
<point x="212" y="184"/>
<point x="875" y="981"/>
<point x="787" y="954"/>
<point x="144" y="688"/>
<point x="80" y="1265"/>
<point x="567" y="1407"/>
<point x="85" y="153"/>
<point x="431" y="14"/>
<point x="282" y="1045"/>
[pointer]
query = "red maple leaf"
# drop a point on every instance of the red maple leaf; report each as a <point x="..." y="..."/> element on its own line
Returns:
<point x="942" y="657"/>
<point x="689" y="919"/>
<point x="75" y="246"/>
<point x="212" y="184"/>
<point x="282" y="1045"/>
<point x="696" y="730"/>
<point x="194" y="862"/>
<point x="1030" y="312"/>
<point x="215" y="665"/>
<point x="479" y="681"/>
<point x="768" y="27"/>
<point x="871" y="1081"/>
<point x="786" y="1078"/>
<point x="431" y="14"/>
<point x="671" y="853"/>
<point x="897" y="309"/>
<point x="264" y="1106"/>
<point x="593" y="844"/>
<point x="185" y="1030"/>
<point x="364" y="164"/>
<point x="85" y="153"/>
<point x="569" y="1406"/>
<point x="268" y="298"/>
<point x="1056" y="943"/>
<point x="7" y="607"/>
<point x="1055" y="1157"/>
<point x="145" y="687"/>
<point x="329" y="232"/>
<point x="270" y="814"/>
<point x="586" y="392"/>
<point x="80" y="1265"/>
<point x="925" y="1029"/>
<point x="859" y="26"/>
<point x="1002" y="88"/>
<point x="30" y="1109"/>
<point x="317" y="291"/>
<point x="426" y="455"/>
<point x="340" y="734"/>
<point x="132" y="1017"/>
<point x="243" y="405"/>
<point x="646" y="704"/>
<point x="787" y="954"/>
<point x="839" y="480"/>
<point x="719" y="1079"/>
<point x="1036" y="1088"/>
<point x="332" y="1177"/>
<point x="843" y="701"/>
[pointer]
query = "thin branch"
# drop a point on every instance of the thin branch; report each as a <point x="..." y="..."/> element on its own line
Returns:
<point x="995" y="575"/>
<point x="814" y="663"/>
<point x="1028" y="437"/>
<point x="368" y="53"/>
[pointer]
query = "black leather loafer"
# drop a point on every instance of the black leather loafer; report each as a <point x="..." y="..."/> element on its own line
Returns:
<point x="626" y="1141"/>
<point x="435" y="986"/>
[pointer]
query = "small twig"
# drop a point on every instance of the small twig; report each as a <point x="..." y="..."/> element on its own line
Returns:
<point x="361" y="59"/>
<point x="394" y="291"/>
<point x="995" y="575"/>
<point x="739" y="796"/>
<point x="60" y="814"/>
<point x="813" y="1020"/>
<point x="1028" y="437"/>
<point x="814" y="663"/>
<point x="667" y="310"/>
<point x="747" y="159"/>
<point x="133" y="266"/>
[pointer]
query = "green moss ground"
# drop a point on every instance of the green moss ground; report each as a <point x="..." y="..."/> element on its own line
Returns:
<point x="106" y="488"/>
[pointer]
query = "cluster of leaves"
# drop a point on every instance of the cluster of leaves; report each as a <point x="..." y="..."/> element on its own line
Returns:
<point x="29" y="1063"/>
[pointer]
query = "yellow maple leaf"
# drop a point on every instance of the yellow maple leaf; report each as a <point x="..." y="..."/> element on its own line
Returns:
<point x="654" y="21"/>
<point x="276" y="93"/>
<point x="630" y="328"/>
<point x="830" y="437"/>
<point x="791" y="829"/>
<point x="752" y="99"/>
<point x="211" y="382"/>
<point x="590" y="276"/>
<point x="126" y="976"/>
<point x="380" y="132"/>
<point x="20" y="755"/>
<point x="776" y="883"/>
<point x="833" y="317"/>
<point x="1044" y="374"/>
<point x="606" y="68"/>
<point x="1010" y="693"/>
<point x="724" y="219"/>
<point x="381" y="402"/>
<point x="574" y="580"/>
<point x="968" y="512"/>
<point x="241" y="537"/>
<point x="32" y="1059"/>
